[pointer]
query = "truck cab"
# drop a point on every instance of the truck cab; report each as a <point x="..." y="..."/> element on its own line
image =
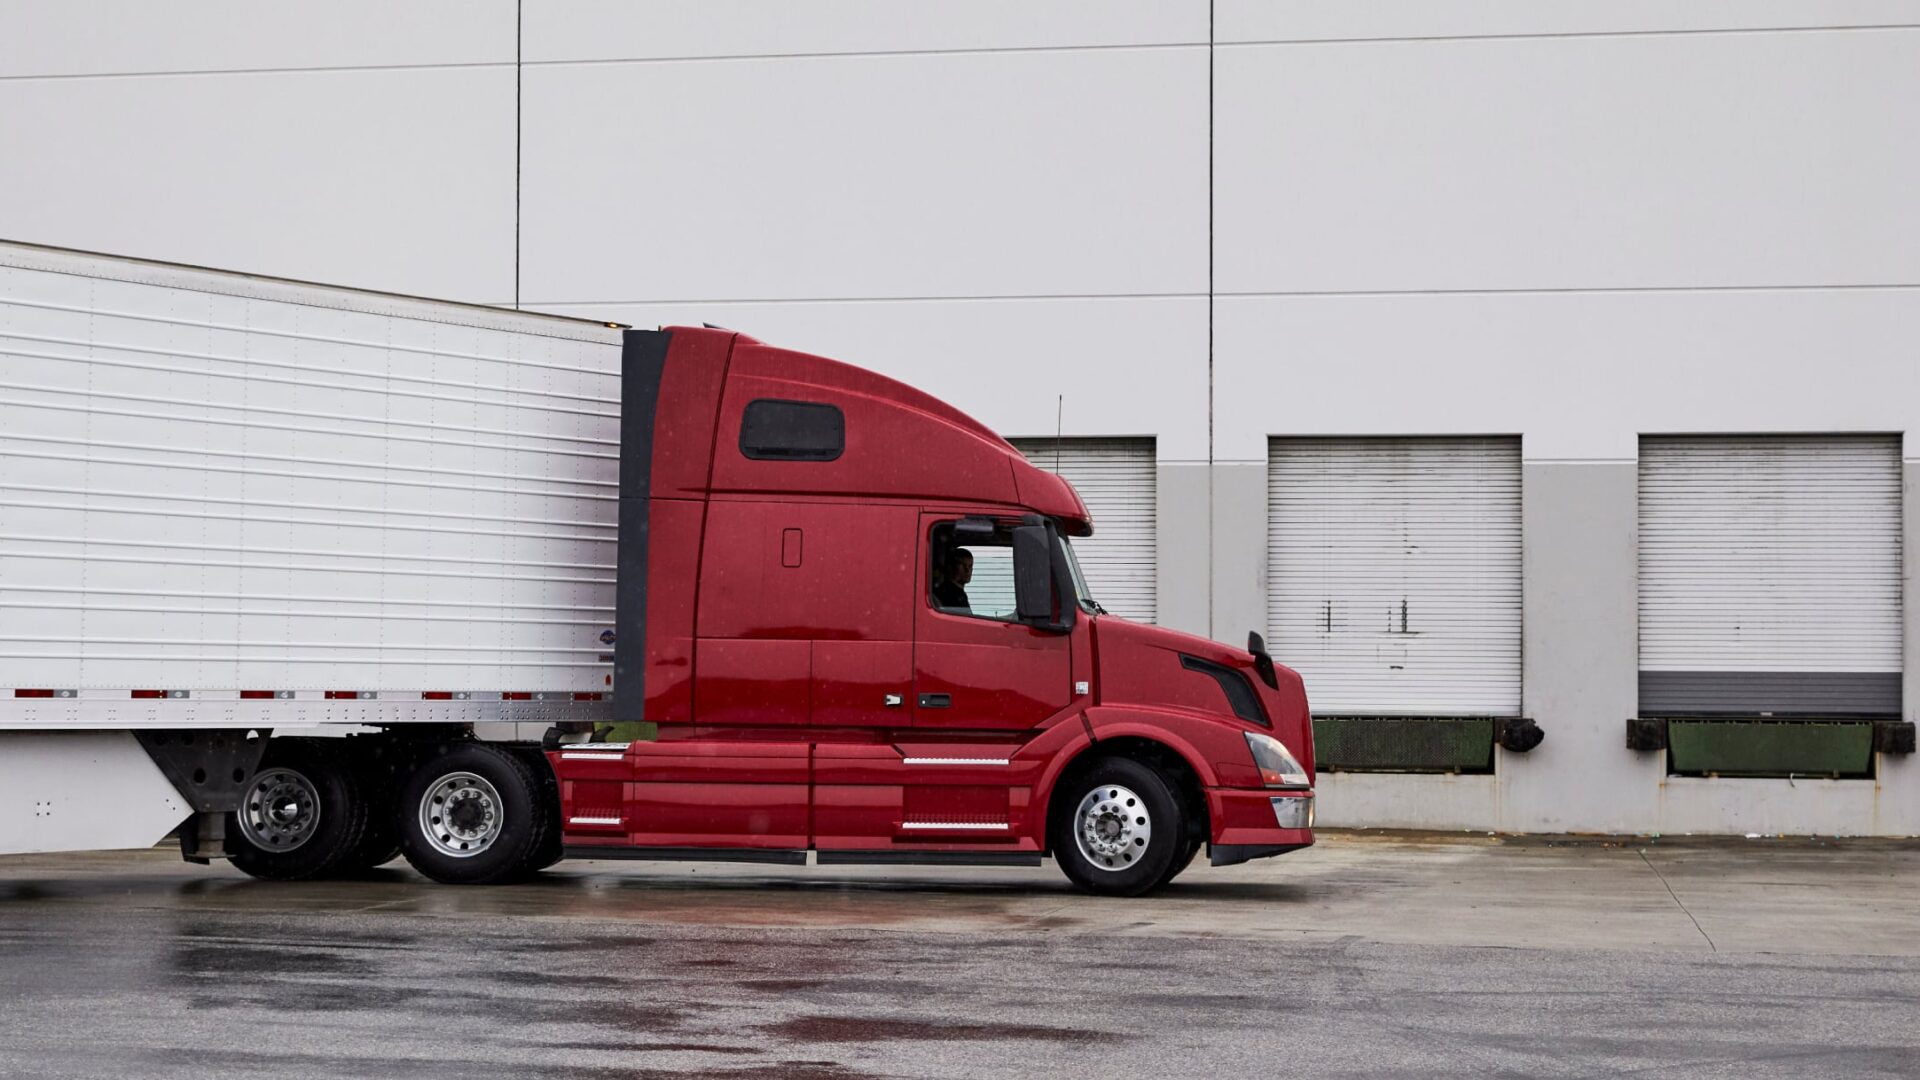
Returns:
<point x="850" y="622"/>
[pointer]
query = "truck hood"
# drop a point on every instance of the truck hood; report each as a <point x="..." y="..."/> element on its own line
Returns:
<point x="1141" y="665"/>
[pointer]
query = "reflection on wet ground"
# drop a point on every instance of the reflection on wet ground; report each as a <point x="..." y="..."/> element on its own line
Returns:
<point x="1367" y="958"/>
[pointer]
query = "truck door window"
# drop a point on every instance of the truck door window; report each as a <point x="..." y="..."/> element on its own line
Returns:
<point x="971" y="575"/>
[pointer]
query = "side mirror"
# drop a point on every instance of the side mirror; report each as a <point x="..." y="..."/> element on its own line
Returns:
<point x="1262" y="663"/>
<point x="1033" y="575"/>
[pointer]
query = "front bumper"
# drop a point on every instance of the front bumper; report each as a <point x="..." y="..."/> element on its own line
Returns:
<point x="1252" y="823"/>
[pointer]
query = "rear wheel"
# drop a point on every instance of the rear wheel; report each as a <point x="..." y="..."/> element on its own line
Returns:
<point x="301" y="817"/>
<point x="475" y="815"/>
<point x="1120" y="829"/>
<point x="380" y="845"/>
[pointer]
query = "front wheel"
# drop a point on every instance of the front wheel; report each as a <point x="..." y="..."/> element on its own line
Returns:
<point x="474" y="815"/>
<point x="1119" y="830"/>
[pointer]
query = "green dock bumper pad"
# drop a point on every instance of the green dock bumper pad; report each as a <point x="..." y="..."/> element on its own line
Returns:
<point x="1403" y="744"/>
<point x="1771" y="747"/>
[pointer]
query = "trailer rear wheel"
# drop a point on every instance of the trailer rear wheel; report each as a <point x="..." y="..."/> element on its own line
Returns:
<point x="1119" y="829"/>
<point x="377" y="848"/>
<point x="474" y="815"/>
<point x="302" y="815"/>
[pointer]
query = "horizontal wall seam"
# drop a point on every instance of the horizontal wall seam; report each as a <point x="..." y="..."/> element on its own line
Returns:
<point x="1239" y="295"/>
<point x="1550" y="34"/>
<point x="508" y="63"/>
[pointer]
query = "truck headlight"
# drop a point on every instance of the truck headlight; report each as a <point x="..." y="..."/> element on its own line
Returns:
<point x="1277" y="766"/>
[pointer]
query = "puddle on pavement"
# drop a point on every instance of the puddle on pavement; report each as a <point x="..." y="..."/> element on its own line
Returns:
<point x="850" y="1029"/>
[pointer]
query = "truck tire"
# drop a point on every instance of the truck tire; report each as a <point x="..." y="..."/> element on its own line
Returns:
<point x="1181" y="861"/>
<point x="301" y="817"/>
<point x="555" y="847"/>
<point x="474" y="814"/>
<point x="1119" y="828"/>
<point x="380" y="845"/>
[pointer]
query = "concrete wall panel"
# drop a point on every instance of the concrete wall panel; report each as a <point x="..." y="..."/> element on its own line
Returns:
<point x="1665" y="161"/>
<point x="98" y="37"/>
<point x="399" y="180"/>
<point x="1005" y="174"/>
<point x="1581" y="375"/>
<point x="613" y="30"/>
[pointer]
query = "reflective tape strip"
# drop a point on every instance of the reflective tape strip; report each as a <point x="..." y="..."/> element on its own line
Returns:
<point x="593" y="821"/>
<point x="998" y="825"/>
<point x="956" y="761"/>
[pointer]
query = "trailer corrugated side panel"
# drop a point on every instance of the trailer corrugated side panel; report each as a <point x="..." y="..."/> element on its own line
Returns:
<point x="213" y="484"/>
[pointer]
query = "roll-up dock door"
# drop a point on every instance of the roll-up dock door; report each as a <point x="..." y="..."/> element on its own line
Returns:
<point x="1116" y="479"/>
<point x="1394" y="573"/>
<point x="1770" y="575"/>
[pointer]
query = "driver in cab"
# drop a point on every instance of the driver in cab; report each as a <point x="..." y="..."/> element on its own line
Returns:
<point x="950" y="588"/>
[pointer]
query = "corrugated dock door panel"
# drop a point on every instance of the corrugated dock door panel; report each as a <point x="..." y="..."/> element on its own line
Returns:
<point x="1394" y="572"/>
<point x="1116" y="479"/>
<point x="1770" y="574"/>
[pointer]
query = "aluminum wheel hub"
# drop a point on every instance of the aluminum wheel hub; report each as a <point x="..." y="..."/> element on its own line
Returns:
<point x="279" y="811"/>
<point x="1112" y="827"/>
<point x="461" y="815"/>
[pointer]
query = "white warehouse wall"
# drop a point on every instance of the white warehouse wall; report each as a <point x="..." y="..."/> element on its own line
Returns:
<point x="1203" y="222"/>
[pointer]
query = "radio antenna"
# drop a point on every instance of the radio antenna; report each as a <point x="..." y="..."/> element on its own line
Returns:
<point x="1059" y="412"/>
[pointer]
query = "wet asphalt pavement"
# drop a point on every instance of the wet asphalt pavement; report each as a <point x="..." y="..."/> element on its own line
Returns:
<point x="1362" y="958"/>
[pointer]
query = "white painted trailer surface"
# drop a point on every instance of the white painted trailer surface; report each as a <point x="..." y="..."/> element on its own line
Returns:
<point x="237" y="502"/>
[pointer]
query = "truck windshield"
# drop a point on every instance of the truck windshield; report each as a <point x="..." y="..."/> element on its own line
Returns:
<point x="1080" y="590"/>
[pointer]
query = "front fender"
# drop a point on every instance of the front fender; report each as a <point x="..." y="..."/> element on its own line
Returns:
<point x="1214" y="747"/>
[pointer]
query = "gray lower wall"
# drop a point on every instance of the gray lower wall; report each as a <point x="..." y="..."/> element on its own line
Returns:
<point x="1580" y="646"/>
<point x="1239" y="550"/>
<point x="1185" y="540"/>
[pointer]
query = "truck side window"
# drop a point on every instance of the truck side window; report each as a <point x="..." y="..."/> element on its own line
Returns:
<point x="971" y="576"/>
<point x="774" y="430"/>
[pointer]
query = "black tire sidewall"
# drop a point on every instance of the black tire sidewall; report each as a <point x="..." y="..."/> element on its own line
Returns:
<point x="1168" y="842"/>
<point x="512" y="853"/>
<point x="339" y="833"/>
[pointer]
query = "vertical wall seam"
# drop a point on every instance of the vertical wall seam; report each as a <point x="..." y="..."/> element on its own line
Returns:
<point x="519" y="126"/>
<point x="1212" y="516"/>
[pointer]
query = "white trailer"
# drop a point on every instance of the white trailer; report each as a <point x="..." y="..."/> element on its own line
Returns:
<point x="233" y="505"/>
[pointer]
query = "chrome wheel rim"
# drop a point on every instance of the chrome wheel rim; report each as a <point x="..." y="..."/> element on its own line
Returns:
<point x="1112" y="827"/>
<point x="461" y="815"/>
<point x="279" y="811"/>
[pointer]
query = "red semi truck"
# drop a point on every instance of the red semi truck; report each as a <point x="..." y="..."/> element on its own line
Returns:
<point x="847" y="620"/>
<point x="791" y="533"/>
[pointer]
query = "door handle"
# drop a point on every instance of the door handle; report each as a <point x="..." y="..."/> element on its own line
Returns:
<point x="894" y="700"/>
<point x="935" y="701"/>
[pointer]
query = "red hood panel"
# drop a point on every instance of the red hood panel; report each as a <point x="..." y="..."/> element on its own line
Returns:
<point x="1139" y="665"/>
